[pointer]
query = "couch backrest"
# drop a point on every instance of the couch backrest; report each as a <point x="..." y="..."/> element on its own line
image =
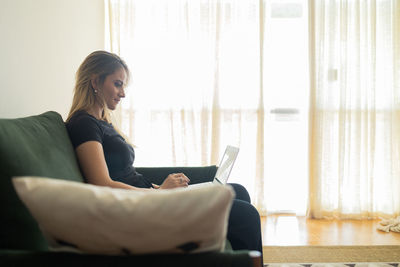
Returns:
<point x="34" y="146"/>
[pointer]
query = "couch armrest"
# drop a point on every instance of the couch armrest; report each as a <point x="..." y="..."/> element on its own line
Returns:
<point x="195" y="174"/>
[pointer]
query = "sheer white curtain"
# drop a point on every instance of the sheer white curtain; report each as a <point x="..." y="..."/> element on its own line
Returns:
<point x="196" y="82"/>
<point x="355" y="108"/>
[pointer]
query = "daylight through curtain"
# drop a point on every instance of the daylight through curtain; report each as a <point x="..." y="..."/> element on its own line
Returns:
<point x="355" y="108"/>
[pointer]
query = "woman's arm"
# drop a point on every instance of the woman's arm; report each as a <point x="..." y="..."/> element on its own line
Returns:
<point x="94" y="167"/>
<point x="93" y="164"/>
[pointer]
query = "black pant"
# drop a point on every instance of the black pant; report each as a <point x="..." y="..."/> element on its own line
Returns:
<point x="244" y="227"/>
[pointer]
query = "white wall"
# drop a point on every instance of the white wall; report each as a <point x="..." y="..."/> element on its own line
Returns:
<point x="42" y="43"/>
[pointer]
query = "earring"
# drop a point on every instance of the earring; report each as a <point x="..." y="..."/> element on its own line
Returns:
<point x="95" y="91"/>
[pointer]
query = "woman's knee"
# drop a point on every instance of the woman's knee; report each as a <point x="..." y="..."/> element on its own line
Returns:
<point x="241" y="192"/>
<point x="244" y="212"/>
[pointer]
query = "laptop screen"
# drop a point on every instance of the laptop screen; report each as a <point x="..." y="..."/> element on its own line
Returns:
<point x="226" y="164"/>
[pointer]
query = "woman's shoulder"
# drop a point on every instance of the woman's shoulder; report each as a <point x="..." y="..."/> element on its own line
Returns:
<point x="82" y="119"/>
<point x="83" y="127"/>
<point x="81" y="115"/>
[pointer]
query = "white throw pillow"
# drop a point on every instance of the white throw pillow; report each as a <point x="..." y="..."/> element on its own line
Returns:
<point x="96" y="219"/>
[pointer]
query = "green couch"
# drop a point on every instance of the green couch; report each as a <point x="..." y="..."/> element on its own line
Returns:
<point x="40" y="146"/>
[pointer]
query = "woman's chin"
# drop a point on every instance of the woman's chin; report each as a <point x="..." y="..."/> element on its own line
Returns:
<point x="112" y="107"/>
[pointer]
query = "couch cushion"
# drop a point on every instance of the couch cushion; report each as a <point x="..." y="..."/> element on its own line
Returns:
<point x="37" y="146"/>
<point x="104" y="220"/>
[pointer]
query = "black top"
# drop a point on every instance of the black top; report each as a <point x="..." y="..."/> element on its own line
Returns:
<point x="119" y="155"/>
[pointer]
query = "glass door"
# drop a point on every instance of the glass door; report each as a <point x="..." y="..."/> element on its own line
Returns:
<point x="286" y="75"/>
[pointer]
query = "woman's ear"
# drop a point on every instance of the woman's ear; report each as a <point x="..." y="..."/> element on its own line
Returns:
<point x="94" y="82"/>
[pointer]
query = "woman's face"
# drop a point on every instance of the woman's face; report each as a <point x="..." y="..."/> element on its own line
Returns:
<point x="113" y="88"/>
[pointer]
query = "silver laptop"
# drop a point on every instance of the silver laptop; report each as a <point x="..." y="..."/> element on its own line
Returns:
<point x="224" y="168"/>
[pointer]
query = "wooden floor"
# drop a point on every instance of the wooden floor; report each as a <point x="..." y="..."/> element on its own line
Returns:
<point x="287" y="230"/>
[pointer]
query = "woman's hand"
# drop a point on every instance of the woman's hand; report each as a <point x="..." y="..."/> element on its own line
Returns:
<point x="175" y="180"/>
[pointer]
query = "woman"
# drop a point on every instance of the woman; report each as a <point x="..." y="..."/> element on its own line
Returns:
<point x="105" y="157"/>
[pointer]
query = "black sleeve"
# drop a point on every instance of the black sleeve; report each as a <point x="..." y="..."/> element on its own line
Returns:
<point x="83" y="129"/>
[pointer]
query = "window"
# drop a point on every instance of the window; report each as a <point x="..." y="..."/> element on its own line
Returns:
<point x="206" y="74"/>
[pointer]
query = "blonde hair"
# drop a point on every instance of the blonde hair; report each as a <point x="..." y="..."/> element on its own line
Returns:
<point x="98" y="64"/>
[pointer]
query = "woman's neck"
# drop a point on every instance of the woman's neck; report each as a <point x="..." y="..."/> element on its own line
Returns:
<point x="96" y="112"/>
